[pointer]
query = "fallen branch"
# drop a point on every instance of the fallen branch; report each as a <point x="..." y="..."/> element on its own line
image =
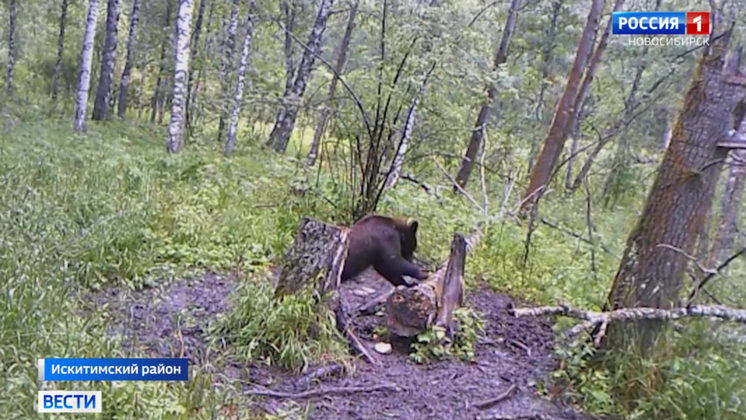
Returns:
<point x="602" y="319"/>
<point x="497" y="400"/>
<point x="321" y="392"/>
<point x="318" y="373"/>
<point x="576" y="235"/>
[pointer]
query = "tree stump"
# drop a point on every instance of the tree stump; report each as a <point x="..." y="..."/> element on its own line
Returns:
<point x="316" y="258"/>
<point x="410" y="311"/>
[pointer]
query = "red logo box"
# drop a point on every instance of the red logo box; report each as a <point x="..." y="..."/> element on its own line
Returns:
<point x="697" y="23"/>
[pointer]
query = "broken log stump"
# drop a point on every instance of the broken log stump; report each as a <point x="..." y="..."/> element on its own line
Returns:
<point x="315" y="259"/>
<point x="410" y="311"/>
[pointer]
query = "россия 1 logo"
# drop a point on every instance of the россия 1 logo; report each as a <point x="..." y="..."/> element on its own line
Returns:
<point x="661" y="23"/>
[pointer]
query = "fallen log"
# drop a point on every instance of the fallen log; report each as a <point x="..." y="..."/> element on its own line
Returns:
<point x="411" y="310"/>
<point x="315" y="260"/>
<point x="593" y="319"/>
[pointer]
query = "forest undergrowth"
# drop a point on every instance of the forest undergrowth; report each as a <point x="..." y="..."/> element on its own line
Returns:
<point x="83" y="212"/>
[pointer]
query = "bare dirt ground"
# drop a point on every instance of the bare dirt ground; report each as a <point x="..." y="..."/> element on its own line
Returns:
<point x="514" y="353"/>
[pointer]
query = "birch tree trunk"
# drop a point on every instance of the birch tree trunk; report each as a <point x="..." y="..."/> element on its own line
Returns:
<point x="12" y="14"/>
<point x="226" y="68"/>
<point x="285" y="119"/>
<point x="398" y="161"/>
<point x="108" y="59"/>
<point x="556" y="137"/>
<point x="124" y="84"/>
<point x="175" y="140"/>
<point x="242" y="66"/>
<point x="475" y="141"/>
<point x="60" y="49"/>
<point x="344" y="46"/>
<point x="84" y="71"/>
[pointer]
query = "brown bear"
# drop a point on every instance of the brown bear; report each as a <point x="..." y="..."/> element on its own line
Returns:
<point x="387" y="244"/>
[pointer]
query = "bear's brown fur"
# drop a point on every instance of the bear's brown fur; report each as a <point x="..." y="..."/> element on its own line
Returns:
<point x="387" y="244"/>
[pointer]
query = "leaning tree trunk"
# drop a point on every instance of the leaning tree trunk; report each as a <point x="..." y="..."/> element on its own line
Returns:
<point x="175" y="139"/>
<point x="194" y="105"/>
<point x="108" y="58"/>
<point x="242" y="66"/>
<point x="651" y="270"/>
<point x="546" y="66"/>
<point x="86" y="61"/>
<point x="285" y="119"/>
<point x="344" y="46"/>
<point x="12" y="14"/>
<point x="585" y="86"/>
<point x="124" y="84"/>
<point x="226" y="68"/>
<point x="477" y="135"/>
<point x="557" y="135"/>
<point x="396" y="164"/>
<point x="60" y="50"/>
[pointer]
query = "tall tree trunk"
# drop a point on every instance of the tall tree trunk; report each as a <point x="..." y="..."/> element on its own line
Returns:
<point x="242" y="66"/>
<point x="475" y="141"/>
<point x="556" y="137"/>
<point x="175" y="139"/>
<point x="103" y="91"/>
<point x="60" y="49"/>
<point x="194" y="56"/>
<point x="193" y="106"/>
<point x="84" y="71"/>
<point x="285" y="119"/>
<point x="651" y="269"/>
<point x="288" y="12"/>
<point x="344" y="46"/>
<point x="546" y="65"/>
<point x="124" y="84"/>
<point x="585" y="86"/>
<point x="12" y="14"/>
<point x="226" y="68"/>
<point x="725" y="237"/>
<point x="158" y="94"/>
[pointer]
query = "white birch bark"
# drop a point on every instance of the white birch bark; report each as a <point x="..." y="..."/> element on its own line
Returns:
<point x="287" y="114"/>
<point x="226" y="67"/>
<point x="84" y="71"/>
<point x="242" y="66"/>
<point x="175" y="139"/>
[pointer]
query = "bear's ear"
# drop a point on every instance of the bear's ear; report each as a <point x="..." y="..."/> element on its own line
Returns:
<point x="413" y="225"/>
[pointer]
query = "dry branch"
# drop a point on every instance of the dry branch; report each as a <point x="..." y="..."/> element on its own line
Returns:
<point x="320" y="392"/>
<point x="603" y="319"/>
<point x="497" y="400"/>
<point x="412" y="310"/>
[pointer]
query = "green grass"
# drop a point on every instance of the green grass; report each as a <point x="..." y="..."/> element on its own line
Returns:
<point x="111" y="207"/>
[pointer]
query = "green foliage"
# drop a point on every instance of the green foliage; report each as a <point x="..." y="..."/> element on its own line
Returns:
<point x="700" y="375"/>
<point x="289" y="333"/>
<point x="430" y="345"/>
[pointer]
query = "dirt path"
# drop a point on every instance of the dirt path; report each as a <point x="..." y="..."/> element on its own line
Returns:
<point x="170" y="322"/>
